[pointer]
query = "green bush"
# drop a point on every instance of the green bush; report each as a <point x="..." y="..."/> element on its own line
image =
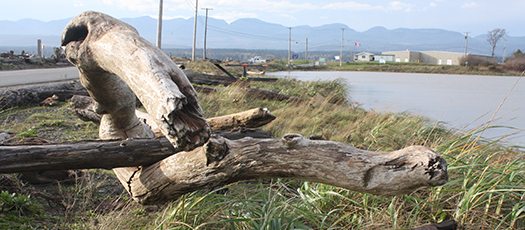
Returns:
<point x="17" y="204"/>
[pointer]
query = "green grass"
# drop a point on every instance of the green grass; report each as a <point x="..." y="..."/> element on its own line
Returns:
<point x="53" y="124"/>
<point x="497" y="70"/>
<point x="486" y="189"/>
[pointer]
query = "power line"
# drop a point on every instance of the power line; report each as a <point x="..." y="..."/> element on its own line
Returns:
<point x="190" y="4"/>
<point x="216" y="28"/>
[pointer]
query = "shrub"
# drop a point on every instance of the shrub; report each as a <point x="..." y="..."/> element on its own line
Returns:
<point x="473" y="60"/>
<point x="516" y="63"/>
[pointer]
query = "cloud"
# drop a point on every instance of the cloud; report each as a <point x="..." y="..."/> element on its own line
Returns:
<point x="470" y="5"/>
<point x="230" y="10"/>
<point x="350" y="5"/>
<point x="78" y="4"/>
<point x="400" y="6"/>
<point x="141" y="6"/>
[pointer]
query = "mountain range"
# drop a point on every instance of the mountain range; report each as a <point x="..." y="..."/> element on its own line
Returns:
<point x="252" y="33"/>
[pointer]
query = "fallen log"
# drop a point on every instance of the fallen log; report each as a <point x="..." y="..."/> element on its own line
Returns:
<point x="208" y="79"/>
<point x="252" y="118"/>
<point x="222" y="161"/>
<point x="34" y="94"/>
<point x="84" y="155"/>
<point x="244" y="132"/>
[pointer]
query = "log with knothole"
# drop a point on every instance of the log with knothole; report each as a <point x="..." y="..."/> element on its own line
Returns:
<point x="115" y="64"/>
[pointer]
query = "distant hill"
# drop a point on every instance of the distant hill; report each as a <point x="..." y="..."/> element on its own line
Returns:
<point x="252" y="33"/>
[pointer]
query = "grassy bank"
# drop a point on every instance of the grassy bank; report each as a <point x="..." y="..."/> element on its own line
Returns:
<point x="493" y="70"/>
<point x="486" y="189"/>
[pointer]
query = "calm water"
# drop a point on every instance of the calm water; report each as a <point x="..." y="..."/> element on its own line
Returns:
<point x="462" y="102"/>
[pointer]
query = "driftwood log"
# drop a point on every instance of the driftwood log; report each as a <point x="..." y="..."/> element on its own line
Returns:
<point x="253" y="118"/>
<point x="115" y="64"/>
<point x="208" y="79"/>
<point x="34" y="94"/>
<point x="222" y="161"/>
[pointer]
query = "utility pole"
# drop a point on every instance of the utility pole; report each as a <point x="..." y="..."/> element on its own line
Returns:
<point x="289" y="46"/>
<point x="205" y="33"/>
<point x="466" y="43"/>
<point x="504" y="54"/>
<point x="159" y="26"/>
<point x="342" y="46"/>
<point x="194" y="31"/>
<point x="466" y="48"/>
<point x="306" y="49"/>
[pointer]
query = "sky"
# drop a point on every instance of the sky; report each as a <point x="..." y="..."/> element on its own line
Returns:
<point x="474" y="16"/>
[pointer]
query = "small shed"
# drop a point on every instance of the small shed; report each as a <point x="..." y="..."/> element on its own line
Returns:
<point x="364" y="57"/>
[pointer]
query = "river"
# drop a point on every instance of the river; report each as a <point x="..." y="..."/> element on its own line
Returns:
<point x="462" y="102"/>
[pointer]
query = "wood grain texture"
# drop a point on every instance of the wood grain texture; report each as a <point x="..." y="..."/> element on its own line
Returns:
<point x="223" y="161"/>
<point x="116" y="65"/>
<point x="166" y="173"/>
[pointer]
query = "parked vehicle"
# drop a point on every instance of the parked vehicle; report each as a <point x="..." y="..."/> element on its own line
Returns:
<point x="257" y="60"/>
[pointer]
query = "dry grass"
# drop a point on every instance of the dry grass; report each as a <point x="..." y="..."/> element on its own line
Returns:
<point x="486" y="188"/>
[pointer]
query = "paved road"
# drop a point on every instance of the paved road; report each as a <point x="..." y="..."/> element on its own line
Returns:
<point x="33" y="76"/>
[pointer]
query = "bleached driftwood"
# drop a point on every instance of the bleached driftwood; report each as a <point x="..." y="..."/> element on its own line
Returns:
<point x="253" y="118"/>
<point x="115" y="63"/>
<point x="222" y="161"/>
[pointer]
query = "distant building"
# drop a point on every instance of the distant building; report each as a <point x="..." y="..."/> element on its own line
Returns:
<point x="432" y="57"/>
<point x="364" y="57"/>
<point x="405" y="56"/>
<point x="384" y="58"/>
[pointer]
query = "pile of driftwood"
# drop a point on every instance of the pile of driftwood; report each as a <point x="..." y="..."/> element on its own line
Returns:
<point x="171" y="149"/>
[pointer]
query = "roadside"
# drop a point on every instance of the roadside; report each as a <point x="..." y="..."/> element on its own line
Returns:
<point x="6" y="66"/>
<point x="35" y="76"/>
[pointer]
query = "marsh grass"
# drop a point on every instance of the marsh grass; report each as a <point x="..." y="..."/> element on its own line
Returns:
<point x="497" y="70"/>
<point x="485" y="190"/>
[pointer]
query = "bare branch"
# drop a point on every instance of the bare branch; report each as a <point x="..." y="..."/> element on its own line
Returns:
<point x="493" y="38"/>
